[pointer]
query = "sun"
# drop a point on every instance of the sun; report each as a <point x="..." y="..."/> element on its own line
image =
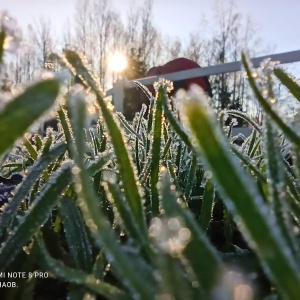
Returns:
<point x="117" y="62"/>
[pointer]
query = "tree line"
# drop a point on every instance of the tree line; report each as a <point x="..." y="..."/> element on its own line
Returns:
<point x="97" y="29"/>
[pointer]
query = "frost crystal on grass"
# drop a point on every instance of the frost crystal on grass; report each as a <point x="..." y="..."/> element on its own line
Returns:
<point x="165" y="84"/>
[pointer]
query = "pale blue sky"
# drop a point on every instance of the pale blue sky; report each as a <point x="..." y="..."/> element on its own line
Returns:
<point x="277" y="20"/>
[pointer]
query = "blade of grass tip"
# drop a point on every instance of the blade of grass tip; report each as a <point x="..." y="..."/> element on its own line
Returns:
<point x="207" y="205"/>
<point x="256" y="148"/>
<point x="75" y="276"/>
<point x="156" y="150"/>
<point x="38" y="142"/>
<point x="276" y="185"/>
<point x="290" y="134"/>
<point x="251" y="213"/>
<point x="34" y="173"/>
<point x="21" y="112"/>
<point x="144" y="89"/>
<point x="65" y="123"/>
<point x="47" y="143"/>
<point x="29" y="147"/>
<point x="286" y="80"/>
<point x="176" y="125"/>
<point x="128" y="174"/>
<point x="209" y="271"/>
<point x="36" y="215"/>
<point x="253" y="139"/>
<point x="76" y="234"/>
<point x="95" y="220"/>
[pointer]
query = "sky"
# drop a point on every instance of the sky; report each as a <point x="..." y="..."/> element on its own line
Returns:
<point x="277" y="20"/>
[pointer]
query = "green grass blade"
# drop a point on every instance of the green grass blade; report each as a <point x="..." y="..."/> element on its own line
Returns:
<point x="65" y="123"/>
<point x="176" y="125"/>
<point x="95" y="219"/>
<point x="76" y="234"/>
<point x="36" y="215"/>
<point x="129" y="127"/>
<point x="114" y="192"/>
<point x="29" y="147"/>
<point x="75" y="276"/>
<point x="253" y="138"/>
<point x="285" y="79"/>
<point x="127" y="171"/>
<point x="248" y="163"/>
<point x="101" y="160"/>
<point x="191" y="177"/>
<point x="22" y="111"/>
<point x="155" y="150"/>
<point x="35" y="172"/>
<point x="207" y="205"/>
<point x="247" y="204"/>
<point x="276" y="183"/>
<point x="208" y="271"/>
<point x="291" y="134"/>
<point x="47" y="143"/>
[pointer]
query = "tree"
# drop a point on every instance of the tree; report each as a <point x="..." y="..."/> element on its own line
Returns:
<point x="136" y="67"/>
<point x="42" y="37"/>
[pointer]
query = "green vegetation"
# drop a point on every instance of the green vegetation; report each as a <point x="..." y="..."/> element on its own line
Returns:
<point x="165" y="207"/>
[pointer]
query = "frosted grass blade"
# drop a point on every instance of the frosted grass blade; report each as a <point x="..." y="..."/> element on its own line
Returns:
<point x="276" y="182"/>
<point x="76" y="234"/>
<point x="32" y="152"/>
<point x="65" y="123"/>
<point x="207" y="205"/>
<point x="127" y="171"/>
<point x="155" y="150"/>
<point x="21" y="112"/>
<point x="247" y="204"/>
<point x="208" y="271"/>
<point x="96" y="221"/>
<point x="240" y="114"/>
<point x="191" y="177"/>
<point x="36" y="215"/>
<point x="76" y="276"/>
<point x="35" y="172"/>
<point x="285" y="79"/>
<point x="176" y="125"/>
<point x="128" y="219"/>
<point x="290" y="134"/>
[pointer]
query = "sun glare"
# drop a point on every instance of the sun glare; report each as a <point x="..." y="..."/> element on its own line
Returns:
<point x="117" y="62"/>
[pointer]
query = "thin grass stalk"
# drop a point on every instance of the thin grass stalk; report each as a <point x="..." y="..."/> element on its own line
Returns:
<point x="156" y="151"/>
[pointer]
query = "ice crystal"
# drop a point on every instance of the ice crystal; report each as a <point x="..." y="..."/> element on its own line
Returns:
<point x="167" y="85"/>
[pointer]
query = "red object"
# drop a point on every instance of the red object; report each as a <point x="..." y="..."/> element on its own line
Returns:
<point x="131" y="106"/>
<point x="176" y="65"/>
